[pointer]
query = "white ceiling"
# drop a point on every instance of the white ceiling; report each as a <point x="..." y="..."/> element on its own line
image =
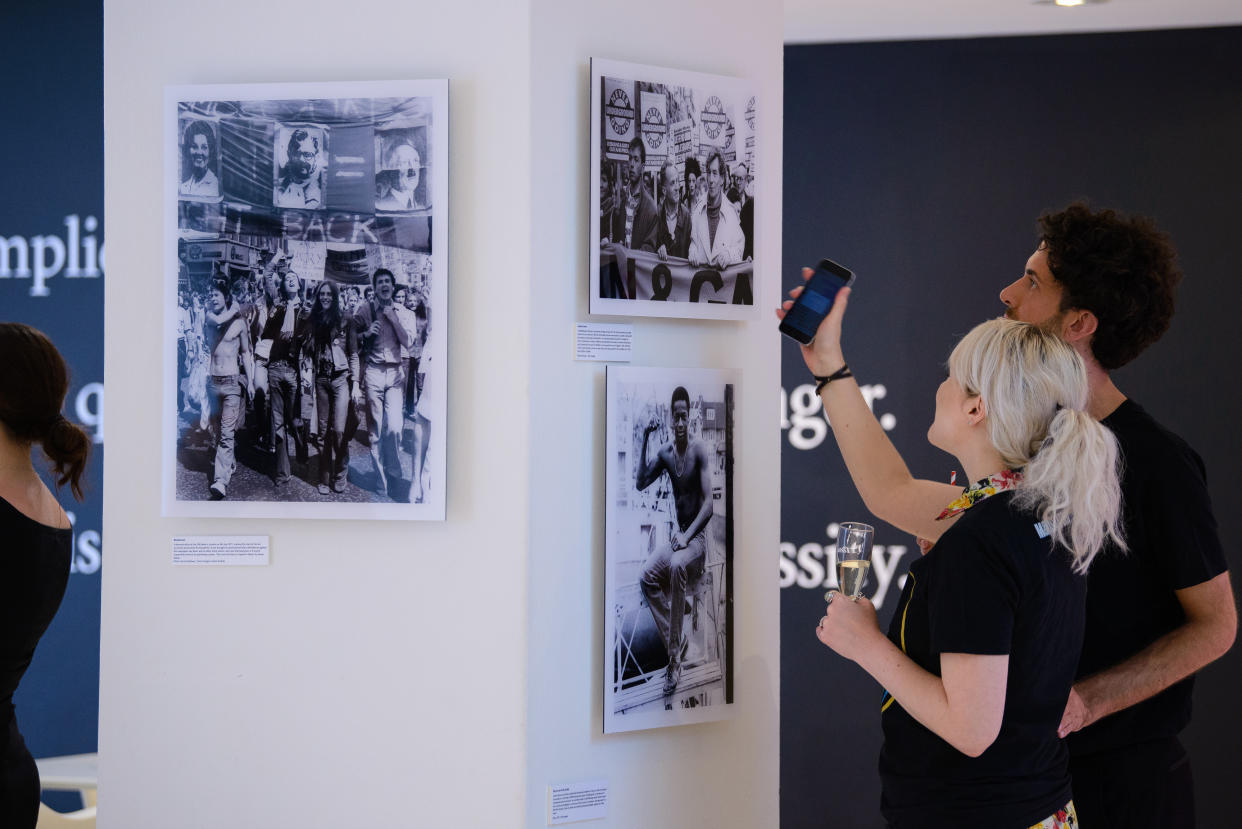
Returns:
<point x="822" y="21"/>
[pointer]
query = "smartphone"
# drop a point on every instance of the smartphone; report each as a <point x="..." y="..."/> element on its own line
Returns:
<point x="809" y="309"/>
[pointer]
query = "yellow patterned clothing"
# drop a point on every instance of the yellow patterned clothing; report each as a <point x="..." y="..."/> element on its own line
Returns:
<point x="1002" y="481"/>
<point x="1065" y="818"/>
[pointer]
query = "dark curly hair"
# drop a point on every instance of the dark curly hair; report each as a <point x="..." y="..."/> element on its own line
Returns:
<point x="1121" y="268"/>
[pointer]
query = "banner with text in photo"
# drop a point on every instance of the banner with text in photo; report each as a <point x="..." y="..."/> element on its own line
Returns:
<point x="299" y="383"/>
<point x="636" y="274"/>
<point x="666" y="182"/>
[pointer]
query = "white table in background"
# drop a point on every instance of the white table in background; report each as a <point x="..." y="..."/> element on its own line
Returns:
<point x="73" y="772"/>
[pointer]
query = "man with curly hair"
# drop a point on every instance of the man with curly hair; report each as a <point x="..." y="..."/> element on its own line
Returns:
<point x="1105" y="283"/>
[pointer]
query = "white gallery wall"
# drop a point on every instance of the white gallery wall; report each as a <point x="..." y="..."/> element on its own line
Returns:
<point x="427" y="674"/>
<point x="373" y="674"/>
<point x="722" y="774"/>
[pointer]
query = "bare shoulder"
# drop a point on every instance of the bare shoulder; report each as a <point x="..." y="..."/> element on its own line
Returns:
<point x="36" y="502"/>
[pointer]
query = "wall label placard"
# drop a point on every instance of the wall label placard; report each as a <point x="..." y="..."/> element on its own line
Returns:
<point x="574" y="802"/>
<point x="216" y="550"/>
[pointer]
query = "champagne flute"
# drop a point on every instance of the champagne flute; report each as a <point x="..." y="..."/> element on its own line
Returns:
<point x="853" y="557"/>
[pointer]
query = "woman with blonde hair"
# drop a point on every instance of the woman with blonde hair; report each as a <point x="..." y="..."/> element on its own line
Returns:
<point x="35" y="535"/>
<point x="982" y="650"/>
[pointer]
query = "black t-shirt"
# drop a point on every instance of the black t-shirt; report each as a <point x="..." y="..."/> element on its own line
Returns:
<point x="1173" y="543"/>
<point x="991" y="585"/>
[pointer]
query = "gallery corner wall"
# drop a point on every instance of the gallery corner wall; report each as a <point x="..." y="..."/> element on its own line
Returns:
<point x="428" y="673"/>
<point x="711" y="774"/>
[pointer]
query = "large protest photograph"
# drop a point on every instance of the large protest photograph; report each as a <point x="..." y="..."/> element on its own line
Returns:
<point x="668" y="609"/>
<point x="672" y="198"/>
<point x="306" y="300"/>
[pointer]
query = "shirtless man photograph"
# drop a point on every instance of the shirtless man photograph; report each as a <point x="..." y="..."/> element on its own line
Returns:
<point x="672" y="565"/>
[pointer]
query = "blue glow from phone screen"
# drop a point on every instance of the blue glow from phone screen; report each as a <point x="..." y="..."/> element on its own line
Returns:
<point x="817" y="302"/>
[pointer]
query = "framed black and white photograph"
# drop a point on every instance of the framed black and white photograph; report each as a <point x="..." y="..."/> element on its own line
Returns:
<point x="306" y="297"/>
<point x="668" y="602"/>
<point x="673" y="182"/>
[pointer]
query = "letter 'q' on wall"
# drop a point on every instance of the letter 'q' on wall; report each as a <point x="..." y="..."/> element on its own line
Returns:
<point x="52" y="263"/>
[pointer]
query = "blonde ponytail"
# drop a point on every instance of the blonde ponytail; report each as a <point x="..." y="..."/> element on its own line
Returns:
<point x="1034" y="389"/>
<point x="1078" y="504"/>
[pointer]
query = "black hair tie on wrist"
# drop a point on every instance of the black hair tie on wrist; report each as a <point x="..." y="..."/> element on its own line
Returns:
<point x="839" y="374"/>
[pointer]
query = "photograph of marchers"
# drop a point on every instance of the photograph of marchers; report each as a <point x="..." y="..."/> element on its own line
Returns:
<point x="668" y="608"/>
<point x="306" y="294"/>
<point x="673" y="177"/>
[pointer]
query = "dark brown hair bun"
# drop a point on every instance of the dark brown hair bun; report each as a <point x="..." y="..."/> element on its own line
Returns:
<point x="34" y="380"/>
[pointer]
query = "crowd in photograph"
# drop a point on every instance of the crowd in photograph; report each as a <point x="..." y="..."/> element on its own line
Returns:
<point x="300" y="371"/>
<point x="699" y="211"/>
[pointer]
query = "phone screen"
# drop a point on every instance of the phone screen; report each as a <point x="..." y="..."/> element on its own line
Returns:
<point x="803" y="319"/>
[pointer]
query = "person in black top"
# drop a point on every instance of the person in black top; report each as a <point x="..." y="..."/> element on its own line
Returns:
<point x="981" y="655"/>
<point x="334" y="344"/>
<point x="287" y="328"/>
<point x="35" y="536"/>
<point x="673" y="228"/>
<point x="1105" y="283"/>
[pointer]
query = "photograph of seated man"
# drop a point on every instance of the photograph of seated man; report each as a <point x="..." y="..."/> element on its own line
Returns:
<point x="671" y="566"/>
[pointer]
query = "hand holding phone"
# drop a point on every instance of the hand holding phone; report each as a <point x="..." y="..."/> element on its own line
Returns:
<point x="803" y="318"/>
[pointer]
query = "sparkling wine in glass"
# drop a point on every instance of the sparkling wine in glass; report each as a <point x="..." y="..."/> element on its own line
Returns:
<point x="854" y="557"/>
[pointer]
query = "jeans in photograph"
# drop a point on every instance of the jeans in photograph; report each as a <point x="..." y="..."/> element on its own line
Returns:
<point x="332" y="403"/>
<point x="282" y="381"/>
<point x="666" y="575"/>
<point x="385" y="416"/>
<point x="224" y="398"/>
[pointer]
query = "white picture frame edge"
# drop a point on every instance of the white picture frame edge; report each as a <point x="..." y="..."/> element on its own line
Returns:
<point x="613" y="723"/>
<point x="435" y="508"/>
<point x="604" y="307"/>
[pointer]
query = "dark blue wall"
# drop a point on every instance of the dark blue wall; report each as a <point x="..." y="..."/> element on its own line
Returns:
<point x="923" y="166"/>
<point x="51" y="77"/>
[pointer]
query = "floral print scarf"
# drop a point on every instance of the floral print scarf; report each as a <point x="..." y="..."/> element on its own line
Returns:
<point x="1001" y="481"/>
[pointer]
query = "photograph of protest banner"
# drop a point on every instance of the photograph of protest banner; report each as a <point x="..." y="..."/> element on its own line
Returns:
<point x="200" y="160"/>
<point x="401" y="182"/>
<point x="673" y="173"/>
<point x="301" y="155"/>
<point x="306" y="300"/>
<point x="668" y="606"/>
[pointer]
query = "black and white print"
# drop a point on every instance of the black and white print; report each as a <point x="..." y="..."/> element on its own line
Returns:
<point x="402" y="183"/>
<point x="301" y="166"/>
<point x="669" y="552"/>
<point x="200" y="160"/>
<point x="673" y="171"/>
<point x="306" y="296"/>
